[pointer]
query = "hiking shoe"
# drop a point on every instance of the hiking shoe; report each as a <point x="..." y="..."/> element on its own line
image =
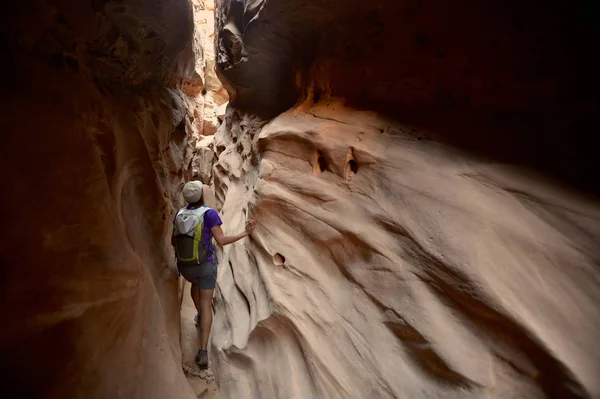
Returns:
<point x="202" y="359"/>
<point x="197" y="320"/>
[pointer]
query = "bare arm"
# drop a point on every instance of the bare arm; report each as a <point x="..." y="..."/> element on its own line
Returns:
<point x="223" y="240"/>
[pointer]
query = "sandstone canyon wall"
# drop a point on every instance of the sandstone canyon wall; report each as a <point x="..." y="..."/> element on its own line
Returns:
<point x="424" y="184"/>
<point x="94" y="152"/>
<point x="206" y="98"/>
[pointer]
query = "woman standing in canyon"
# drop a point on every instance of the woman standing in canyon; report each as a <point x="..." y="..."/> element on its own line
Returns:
<point x="193" y="227"/>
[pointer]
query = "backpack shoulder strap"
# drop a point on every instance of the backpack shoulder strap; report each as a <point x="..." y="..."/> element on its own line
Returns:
<point x="204" y="209"/>
<point x="189" y="213"/>
<point x="199" y="213"/>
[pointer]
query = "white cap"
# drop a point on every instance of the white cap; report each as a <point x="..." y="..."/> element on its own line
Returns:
<point x="192" y="191"/>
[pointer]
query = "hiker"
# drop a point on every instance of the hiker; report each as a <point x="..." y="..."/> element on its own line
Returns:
<point x="192" y="230"/>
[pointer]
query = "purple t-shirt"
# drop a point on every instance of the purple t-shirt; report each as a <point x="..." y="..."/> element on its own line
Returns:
<point x="211" y="219"/>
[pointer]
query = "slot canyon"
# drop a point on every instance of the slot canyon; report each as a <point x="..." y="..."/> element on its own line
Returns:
<point x="422" y="174"/>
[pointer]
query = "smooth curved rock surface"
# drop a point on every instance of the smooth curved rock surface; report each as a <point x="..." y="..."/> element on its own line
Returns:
<point x="407" y="269"/>
<point x="416" y="235"/>
<point x="94" y="153"/>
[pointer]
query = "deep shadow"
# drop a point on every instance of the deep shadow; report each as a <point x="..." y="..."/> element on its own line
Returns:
<point x="515" y="82"/>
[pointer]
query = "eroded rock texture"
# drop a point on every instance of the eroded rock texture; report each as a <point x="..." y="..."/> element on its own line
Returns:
<point x="206" y="98"/>
<point x="427" y="224"/>
<point x="94" y="152"/>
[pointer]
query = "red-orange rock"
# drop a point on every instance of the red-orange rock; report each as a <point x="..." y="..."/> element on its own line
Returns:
<point x="94" y="153"/>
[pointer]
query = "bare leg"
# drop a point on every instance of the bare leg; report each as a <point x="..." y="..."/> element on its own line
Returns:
<point x="206" y="316"/>
<point x="195" y="293"/>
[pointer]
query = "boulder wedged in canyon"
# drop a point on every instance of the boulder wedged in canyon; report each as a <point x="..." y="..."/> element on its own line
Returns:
<point x="427" y="222"/>
<point x="95" y="152"/>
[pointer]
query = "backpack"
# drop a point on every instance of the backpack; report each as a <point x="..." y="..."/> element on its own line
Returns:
<point x="188" y="228"/>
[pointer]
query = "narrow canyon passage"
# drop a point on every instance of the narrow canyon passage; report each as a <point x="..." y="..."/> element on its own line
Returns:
<point x="422" y="172"/>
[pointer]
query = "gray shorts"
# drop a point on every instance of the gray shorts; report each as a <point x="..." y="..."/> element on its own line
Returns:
<point x="204" y="275"/>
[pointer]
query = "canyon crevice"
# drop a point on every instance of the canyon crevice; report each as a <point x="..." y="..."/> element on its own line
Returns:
<point x="422" y="174"/>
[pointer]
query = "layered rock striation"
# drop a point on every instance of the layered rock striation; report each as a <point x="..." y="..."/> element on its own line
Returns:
<point x="427" y="221"/>
<point x="95" y="151"/>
